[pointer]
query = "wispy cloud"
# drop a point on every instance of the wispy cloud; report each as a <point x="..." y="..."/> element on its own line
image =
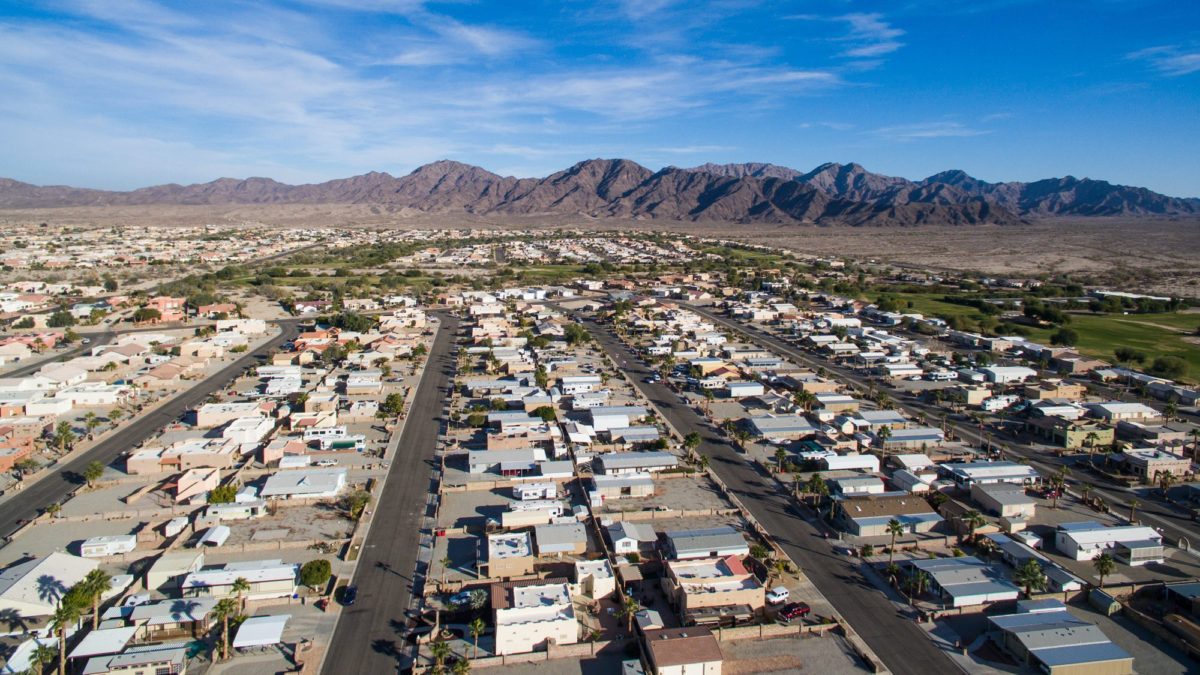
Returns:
<point x="927" y="130"/>
<point x="869" y="36"/>
<point x="1169" y="60"/>
<point x="872" y="36"/>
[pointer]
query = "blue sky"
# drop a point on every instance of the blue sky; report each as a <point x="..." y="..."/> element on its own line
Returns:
<point x="125" y="93"/>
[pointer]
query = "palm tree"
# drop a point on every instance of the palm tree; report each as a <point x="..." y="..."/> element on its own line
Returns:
<point x="64" y="437"/>
<point x="440" y="651"/>
<point x="703" y="463"/>
<point x="816" y="487"/>
<point x="780" y="455"/>
<point x="90" y="422"/>
<point x="241" y="586"/>
<point x="1165" y="479"/>
<point x="690" y="442"/>
<point x="54" y="509"/>
<point x="1133" y="505"/>
<point x="884" y="433"/>
<point x="477" y="628"/>
<point x="1030" y="576"/>
<point x="445" y="563"/>
<point x="628" y="610"/>
<point x="894" y="528"/>
<point x="1105" y="565"/>
<point x="805" y="400"/>
<point x="42" y="655"/>
<point x="97" y="582"/>
<point x="461" y="667"/>
<point x="1085" y="491"/>
<point x="916" y="584"/>
<point x="1090" y="441"/>
<point x="224" y="610"/>
<point x="1170" y="410"/>
<point x="973" y="520"/>
<point x="115" y="414"/>
<point x="64" y="617"/>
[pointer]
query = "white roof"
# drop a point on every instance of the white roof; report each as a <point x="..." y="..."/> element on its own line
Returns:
<point x="215" y="536"/>
<point x="260" y="631"/>
<point x="255" y="571"/>
<point x="21" y="660"/>
<point x="103" y="641"/>
<point x="1095" y="533"/>
<point x="23" y="587"/>
<point x="310" y="481"/>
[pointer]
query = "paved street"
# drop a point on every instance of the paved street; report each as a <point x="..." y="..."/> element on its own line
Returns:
<point x="894" y="637"/>
<point x="28" y="503"/>
<point x="1173" y="522"/>
<point x="369" y="636"/>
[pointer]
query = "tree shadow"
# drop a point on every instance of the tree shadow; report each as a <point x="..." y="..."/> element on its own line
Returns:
<point x="50" y="589"/>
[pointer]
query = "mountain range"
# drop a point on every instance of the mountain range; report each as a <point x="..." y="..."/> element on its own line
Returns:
<point x="618" y="188"/>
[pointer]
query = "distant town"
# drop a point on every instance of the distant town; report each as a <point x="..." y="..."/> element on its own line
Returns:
<point x="259" y="449"/>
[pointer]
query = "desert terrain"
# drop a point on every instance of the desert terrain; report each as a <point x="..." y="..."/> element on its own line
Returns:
<point x="1152" y="255"/>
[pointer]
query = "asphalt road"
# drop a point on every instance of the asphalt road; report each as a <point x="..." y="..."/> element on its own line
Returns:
<point x="1174" y="522"/>
<point x="370" y="634"/>
<point x="94" y="340"/>
<point x="28" y="503"/>
<point x="903" y="647"/>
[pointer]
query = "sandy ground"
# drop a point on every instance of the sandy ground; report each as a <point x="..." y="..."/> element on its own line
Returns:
<point x="1156" y="253"/>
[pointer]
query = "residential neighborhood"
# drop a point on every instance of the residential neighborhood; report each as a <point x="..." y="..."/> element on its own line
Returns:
<point x="591" y="452"/>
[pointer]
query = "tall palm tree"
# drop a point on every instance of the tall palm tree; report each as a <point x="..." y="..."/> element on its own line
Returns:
<point x="445" y="563"/>
<point x="477" y="628"/>
<point x="1133" y="505"/>
<point x="90" y="422"/>
<point x="1031" y="577"/>
<point x="894" y="528"/>
<point x="1090" y="441"/>
<point x="241" y="586"/>
<point x="884" y="433"/>
<point x="63" y="619"/>
<point x="225" y="609"/>
<point x="780" y="455"/>
<point x="461" y="667"/>
<point x="97" y="583"/>
<point x="1105" y="565"/>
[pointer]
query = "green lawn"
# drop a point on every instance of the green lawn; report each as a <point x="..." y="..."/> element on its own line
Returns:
<point x="930" y="304"/>
<point x="1100" y="335"/>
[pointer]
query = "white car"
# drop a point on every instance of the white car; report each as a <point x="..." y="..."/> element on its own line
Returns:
<point x="777" y="595"/>
<point x="327" y="462"/>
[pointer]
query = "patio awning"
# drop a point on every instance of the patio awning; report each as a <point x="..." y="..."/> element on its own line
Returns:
<point x="260" y="631"/>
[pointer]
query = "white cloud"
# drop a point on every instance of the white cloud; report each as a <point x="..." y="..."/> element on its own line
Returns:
<point x="927" y="130"/>
<point x="1169" y="60"/>
<point x="871" y="35"/>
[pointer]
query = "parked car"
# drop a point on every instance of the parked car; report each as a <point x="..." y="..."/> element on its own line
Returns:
<point x="793" y="611"/>
<point x="460" y="598"/>
<point x="777" y="595"/>
<point x="349" y="595"/>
